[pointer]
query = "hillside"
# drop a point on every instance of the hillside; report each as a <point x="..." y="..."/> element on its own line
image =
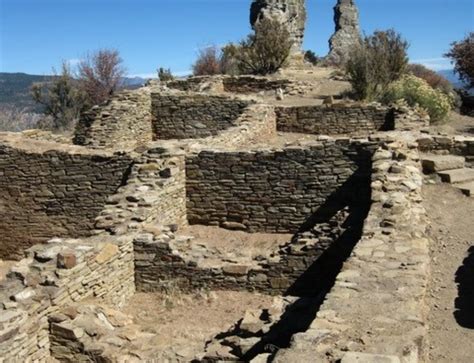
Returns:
<point x="452" y="77"/>
<point x="15" y="89"/>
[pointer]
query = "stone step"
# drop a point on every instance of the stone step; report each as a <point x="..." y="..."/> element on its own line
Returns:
<point x="467" y="188"/>
<point x="457" y="176"/>
<point x="437" y="163"/>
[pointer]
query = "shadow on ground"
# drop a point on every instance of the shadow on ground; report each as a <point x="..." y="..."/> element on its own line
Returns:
<point x="464" y="303"/>
<point x="469" y="130"/>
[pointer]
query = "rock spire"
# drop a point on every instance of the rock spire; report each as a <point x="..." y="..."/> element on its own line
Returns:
<point x="347" y="35"/>
<point x="292" y="13"/>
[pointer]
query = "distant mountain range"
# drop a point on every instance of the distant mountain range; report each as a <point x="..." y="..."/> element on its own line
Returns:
<point x="15" y="89"/>
<point x="452" y="77"/>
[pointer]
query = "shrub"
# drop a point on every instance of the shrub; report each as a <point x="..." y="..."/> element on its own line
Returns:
<point x="208" y="62"/>
<point x="311" y="57"/>
<point x="380" y="60"/>
<point x="165" y="75"/>
<point x="62" y="99"/>
<point x="434" y="79"/>
<point x="100" y="75"/>
<point x="462" y="55"/>
<point x="265" y="51"/>
<point x="229" y="63"/>
<point x="417" y="92"/>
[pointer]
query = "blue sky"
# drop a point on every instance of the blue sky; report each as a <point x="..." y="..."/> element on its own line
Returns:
<point x="36" y="35"/>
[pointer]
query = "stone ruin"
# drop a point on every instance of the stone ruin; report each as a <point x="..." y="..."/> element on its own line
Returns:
<point x="211" y="185"/>
<point x="135" y="208"/>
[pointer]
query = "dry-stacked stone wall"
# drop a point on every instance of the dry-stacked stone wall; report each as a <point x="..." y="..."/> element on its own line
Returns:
<point x="52" y="190"/>
<point x="376" y="312"/>
<point x="167" y="258"/>
<point x="443" y="144"/>
<point x="53" y="276"/>
<point x="231" y="84"/>
<point x="190" y="116"/>
<point x="154" y="193"/>
<point x="336" y="119"/>
<point x="274" y="191"/>
<point x="197" y="84"/>
<point x="252" y="84"/>
<point x="123" y="123"/>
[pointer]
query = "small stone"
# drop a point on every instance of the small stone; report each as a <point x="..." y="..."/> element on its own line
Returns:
<point x="24" y="295"/>
<point x="234" y="226"/>
<point x="238" y="270"/>
<point x="66" y="260"/>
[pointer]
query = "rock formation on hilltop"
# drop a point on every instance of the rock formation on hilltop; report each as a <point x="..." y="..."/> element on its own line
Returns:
<point x="346" y="17"/>
<point x="292" y="13"/>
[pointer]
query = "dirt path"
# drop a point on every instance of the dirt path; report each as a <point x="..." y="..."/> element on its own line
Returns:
<point x="455" y="124"/>
<point x="451" y="288"/>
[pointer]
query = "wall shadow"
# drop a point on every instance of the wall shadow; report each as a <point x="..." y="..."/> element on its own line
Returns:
<point x="389" y="123"/>
<point x="316" y="282"/>
<point x="464" y="303"/>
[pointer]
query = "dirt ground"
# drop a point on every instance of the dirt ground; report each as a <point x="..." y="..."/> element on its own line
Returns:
<point x="451" y="287"/>
<point x="238" y="242"/>
<point x="183" y="323"/>
<point x="5" y="267"/>
<point x="455" y="124"/>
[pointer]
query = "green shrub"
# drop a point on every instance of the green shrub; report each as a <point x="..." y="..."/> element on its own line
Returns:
<point x="462" y="55"/>
<point x="265" y="51"/>
<point x="165" y="75"/>
<point x="379" y="60"/>
<point x="417" y="92"/>
<point x="311" y="57"/>
<point x="434" y="79"/>
<point x="62" y="98"/>
<point x="228" y="61"/>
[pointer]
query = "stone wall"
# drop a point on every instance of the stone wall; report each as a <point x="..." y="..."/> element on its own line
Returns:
<point x="274" y="190"/>
<point x="198" y="84"/>
<point x="186" y="116"/>
<point x="154" y="193"/>
<point x="253" y="84"/>
<point x="375" y="311"/>
<point x="256" y="125"/>
<point x="52" y="277"/>
<point x="123" y="123"/>
<point x="443" y="144"/>
<point x="52" y="190"/>
<point x="232" y="84"/>
<point x="167" y="259"/>
<point x="335" y="120"/>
